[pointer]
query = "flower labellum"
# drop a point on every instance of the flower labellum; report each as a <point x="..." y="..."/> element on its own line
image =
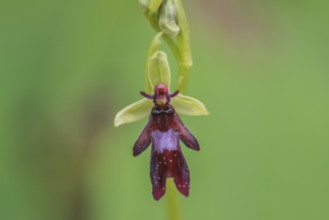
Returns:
<point x="164" y="130"/>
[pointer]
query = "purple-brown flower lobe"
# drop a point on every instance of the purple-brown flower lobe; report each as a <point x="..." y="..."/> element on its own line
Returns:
<point x="164" y="130"/>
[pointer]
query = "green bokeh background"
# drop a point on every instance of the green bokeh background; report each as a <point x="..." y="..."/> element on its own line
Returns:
<point x="261" y="68"/>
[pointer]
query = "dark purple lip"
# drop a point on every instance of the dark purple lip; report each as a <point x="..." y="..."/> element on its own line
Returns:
<point x="165" y="130"/>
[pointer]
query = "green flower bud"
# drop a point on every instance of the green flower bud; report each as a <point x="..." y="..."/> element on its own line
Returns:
<point x="167" y="18"/>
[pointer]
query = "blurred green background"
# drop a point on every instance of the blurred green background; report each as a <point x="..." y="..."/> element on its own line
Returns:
<point x="261" y="68"/>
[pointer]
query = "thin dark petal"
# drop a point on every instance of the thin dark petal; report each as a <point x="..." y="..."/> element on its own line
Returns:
<point x="148" y="96"/>
<point x="143" y="141"/>
<point x="189" y="140"/>
<point x="185" y="135"/>
<point x="172" y="95"/>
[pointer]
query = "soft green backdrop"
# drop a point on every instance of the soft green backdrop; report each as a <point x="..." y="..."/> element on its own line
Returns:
<point x="67" y="66"/>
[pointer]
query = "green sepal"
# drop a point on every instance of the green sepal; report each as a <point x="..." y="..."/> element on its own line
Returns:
<point x="187" y="105"/>
<point x="155" y="44"/>
<point x="133" y="112"/>
<point x="158" y="70"/>
<point x="157" y="66"/>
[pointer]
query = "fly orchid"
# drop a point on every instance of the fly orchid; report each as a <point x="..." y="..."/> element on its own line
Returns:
<point x="165" y="129"/>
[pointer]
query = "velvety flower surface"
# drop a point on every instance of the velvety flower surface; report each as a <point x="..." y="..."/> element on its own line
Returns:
<point x="165" y="130"/>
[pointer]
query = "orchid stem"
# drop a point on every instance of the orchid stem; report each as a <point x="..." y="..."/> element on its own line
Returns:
<point x="172" y="201"/>
<point x="170" y="42"/>
<point x="184" y="45"/>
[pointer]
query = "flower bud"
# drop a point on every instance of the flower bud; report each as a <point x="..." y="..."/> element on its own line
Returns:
<point x="167" y="18"/>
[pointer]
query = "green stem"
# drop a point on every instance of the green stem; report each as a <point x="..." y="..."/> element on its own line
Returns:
<point x="184" y="45"/>
<point x="172" y="203"/>
<point x="171" y="43"/>
<point x="173" y="47"/>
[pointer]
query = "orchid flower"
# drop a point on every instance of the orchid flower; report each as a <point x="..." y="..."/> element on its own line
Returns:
<point x="165" y="129"/>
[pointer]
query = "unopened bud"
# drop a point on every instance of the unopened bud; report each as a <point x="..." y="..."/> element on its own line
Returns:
<point x="167" y="18"/>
